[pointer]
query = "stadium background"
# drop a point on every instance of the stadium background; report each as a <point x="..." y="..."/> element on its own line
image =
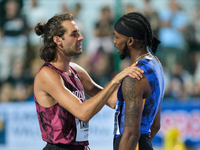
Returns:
<point x="179" y="53"/>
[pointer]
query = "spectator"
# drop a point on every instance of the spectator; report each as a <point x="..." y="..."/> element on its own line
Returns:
<point x="196" y="88"/>
<point x="64" y="8"/>
<point x="102" y="33"/>
<point x="172" y="31"/>
<point x="5" y="92"/>
<point x="101" y="68"/>
<point x="18" y="81"/>
<point x="130" y="8"/>
<point x="152" y="16"/>
<point x="14" y="39"/>
<point x="193" y="38"/>
<point x="35" y="65"/>
<point x="181" y="83"/>
<point x="35" y="14"/>
<point x="2" y="8"/>
<point x="84" y="62"/>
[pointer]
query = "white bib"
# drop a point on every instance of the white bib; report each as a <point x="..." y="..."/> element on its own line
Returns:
<point x="116" y="123"/>
<point x="82" y="128"/>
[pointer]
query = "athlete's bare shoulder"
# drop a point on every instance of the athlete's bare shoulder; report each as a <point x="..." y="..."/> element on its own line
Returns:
<point x="81" y="72"/>
<point x="45" y="75"/>
<point x="74" y="65"/>
<point x="44" y="72"/>
<point x="77" y="67"/>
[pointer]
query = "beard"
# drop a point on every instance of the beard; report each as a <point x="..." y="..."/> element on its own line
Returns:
<point x="72" y="51"/>
<point x="124" y="53"/>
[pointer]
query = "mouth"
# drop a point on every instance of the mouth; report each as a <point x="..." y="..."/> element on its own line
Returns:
<point x="117" y="48"/>
<point x="79" y="46"/>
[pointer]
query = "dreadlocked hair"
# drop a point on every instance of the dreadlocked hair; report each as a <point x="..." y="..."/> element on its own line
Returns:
<point x="136" y="22"/>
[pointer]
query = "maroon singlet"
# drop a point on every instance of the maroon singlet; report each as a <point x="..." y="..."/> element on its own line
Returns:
<point x="57" y="125"/>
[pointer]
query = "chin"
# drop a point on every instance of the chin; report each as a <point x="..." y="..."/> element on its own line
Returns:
<point x="79" y="52"/>
<point x="122" y="56"/>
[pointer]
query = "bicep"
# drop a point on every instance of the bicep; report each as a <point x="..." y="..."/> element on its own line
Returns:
<point x="52" y="84"/>
<point x="133" y="103"/>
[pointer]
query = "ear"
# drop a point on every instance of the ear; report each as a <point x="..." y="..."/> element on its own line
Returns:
<point x="130" y="41"/>
<point x="57" y="40"/>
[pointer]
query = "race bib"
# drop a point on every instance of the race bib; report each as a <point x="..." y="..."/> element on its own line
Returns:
<point x="116" y="123"/>
<point x="82" y="128"/>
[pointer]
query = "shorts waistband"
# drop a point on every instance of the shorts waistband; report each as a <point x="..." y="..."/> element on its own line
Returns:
<point x="66" y="146"/>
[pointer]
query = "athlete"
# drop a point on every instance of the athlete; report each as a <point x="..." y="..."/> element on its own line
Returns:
<point x="60" y="86"/>
<point x="138" y="106"/>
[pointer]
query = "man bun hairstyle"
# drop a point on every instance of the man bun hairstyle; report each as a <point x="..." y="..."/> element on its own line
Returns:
<point x="136" y="25"/>
<point x="39" y="28"/>
<point x="47" y="31"/>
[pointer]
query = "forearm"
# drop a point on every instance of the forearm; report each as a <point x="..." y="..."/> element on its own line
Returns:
<point x="156" y="125"/>
<point x="129" y="142"/>
<point x="95" y="104"/>
<point x="154" y="131"/>
<point x="111" y="102"/>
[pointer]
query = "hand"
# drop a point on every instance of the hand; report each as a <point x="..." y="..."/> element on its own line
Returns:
<point x="132" y="71"/>
<point x="137" y="72"/>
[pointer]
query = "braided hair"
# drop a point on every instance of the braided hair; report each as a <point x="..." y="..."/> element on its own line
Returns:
<point x="136" y="25"/>
<point x="47" y="31"/>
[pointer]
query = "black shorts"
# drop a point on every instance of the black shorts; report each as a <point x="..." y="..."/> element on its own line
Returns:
<point x="144" y="142"/>
<point x="50" y="146"/>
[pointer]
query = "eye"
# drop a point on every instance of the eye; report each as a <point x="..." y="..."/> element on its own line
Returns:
<point x="75" y="33"/>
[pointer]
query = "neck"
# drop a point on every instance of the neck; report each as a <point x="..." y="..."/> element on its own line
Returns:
<point x="139" y="55"/>
<point x="62" y="64"/>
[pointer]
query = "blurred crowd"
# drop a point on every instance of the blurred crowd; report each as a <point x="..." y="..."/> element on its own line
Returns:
<point x="179" y="51"/>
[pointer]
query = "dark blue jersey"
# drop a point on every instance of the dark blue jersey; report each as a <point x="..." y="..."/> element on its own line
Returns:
<point x="154" y="73"/>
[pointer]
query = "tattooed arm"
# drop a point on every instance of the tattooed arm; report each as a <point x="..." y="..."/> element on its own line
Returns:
<point x="133" y="91"/>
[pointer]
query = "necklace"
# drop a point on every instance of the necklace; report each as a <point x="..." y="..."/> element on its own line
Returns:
<point x="141" y="56"/>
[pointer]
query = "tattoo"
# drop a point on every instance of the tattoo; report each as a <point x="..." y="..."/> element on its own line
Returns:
<point x="132" y="109"/>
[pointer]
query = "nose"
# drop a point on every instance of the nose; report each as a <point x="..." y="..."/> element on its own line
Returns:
<point x="114" y="41"/>
<point x="80" y="37"/>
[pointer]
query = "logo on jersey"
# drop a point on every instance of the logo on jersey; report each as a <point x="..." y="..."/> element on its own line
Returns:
<point x="79" y="94"/>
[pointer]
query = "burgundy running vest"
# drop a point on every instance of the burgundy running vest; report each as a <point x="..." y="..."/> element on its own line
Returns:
<point x="57" y="125"/>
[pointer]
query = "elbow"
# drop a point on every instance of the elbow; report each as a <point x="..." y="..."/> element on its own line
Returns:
<point x="84" y="117"/>
<point x="84" y="114"/>
<point x="113" y="106"/>
<point x="133" y="137"/>
<point x="158" y="126"/>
